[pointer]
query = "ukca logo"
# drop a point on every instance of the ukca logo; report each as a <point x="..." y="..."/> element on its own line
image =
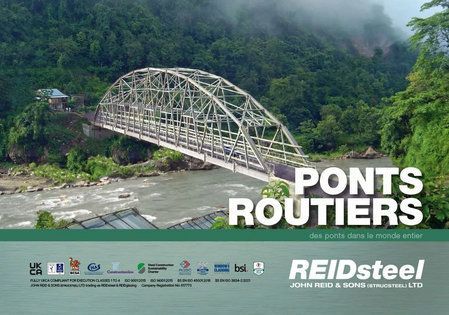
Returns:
<point x="259" y="267"/>
<point x="221" y="268"/>
<point x="36" y="269"/>
<point x="55" y="269"/>
<point x="141" y="268"/>
<point x="185" y="269"/>
<point x="93" y="269"/>
<point x="74" y="266"/>
<point x="241" y="268"/>
<point x="202" y="269"/>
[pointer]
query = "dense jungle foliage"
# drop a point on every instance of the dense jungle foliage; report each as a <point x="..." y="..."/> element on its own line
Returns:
<point x="416" y="123"/>
<point x="324" y="78"/>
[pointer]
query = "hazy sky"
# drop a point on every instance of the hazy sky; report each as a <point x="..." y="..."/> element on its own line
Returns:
<point x="401" y="11"/>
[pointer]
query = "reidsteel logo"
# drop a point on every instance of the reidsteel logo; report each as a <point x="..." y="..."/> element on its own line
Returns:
<point x="347" y="269"/>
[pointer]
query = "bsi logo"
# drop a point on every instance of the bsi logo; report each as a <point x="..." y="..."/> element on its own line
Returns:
<point x="240" y="268"/>
<point x="36" y="269"/>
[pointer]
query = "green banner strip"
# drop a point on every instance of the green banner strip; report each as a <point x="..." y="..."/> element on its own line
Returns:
<point x="224" y="235"/>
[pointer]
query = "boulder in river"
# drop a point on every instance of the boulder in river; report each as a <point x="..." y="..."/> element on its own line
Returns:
<point x="33" y="189"/>
<point x="351" y="155"/>
<point x="196" y="164"/>
<point x="370" y="153"/>
<point x="125" y="195"/>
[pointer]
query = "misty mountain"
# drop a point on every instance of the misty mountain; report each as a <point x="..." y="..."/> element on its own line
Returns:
<point x="307" y="61"/>
<point x="361" y="24"/>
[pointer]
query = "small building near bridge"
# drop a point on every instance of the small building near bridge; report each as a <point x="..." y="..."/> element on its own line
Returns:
<point x="56" y="99"/>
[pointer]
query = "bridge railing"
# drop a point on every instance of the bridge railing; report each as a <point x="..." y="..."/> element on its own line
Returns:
<point x="185" y="137"/>
<point x="214" y="141"/>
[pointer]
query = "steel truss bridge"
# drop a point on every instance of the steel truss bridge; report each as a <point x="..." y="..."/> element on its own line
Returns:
<point x="201" y="115"/>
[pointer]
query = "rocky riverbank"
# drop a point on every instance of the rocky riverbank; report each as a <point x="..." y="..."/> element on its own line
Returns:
<point x="22" y="182"/>
<point x="369" y="153"/>
<point x="15" y="184"/>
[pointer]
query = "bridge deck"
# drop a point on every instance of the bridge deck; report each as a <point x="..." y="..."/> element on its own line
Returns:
<point x="206" y="154"/>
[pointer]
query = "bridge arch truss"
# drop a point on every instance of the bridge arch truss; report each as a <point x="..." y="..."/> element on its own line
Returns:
<point x="202" y="115"/>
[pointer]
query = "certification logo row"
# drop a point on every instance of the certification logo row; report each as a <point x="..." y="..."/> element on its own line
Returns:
<point x="185" y="268"/>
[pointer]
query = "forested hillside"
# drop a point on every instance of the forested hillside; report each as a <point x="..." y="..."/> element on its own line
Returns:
<point x="324" y="77"/>
<point x="416" y="130"/>
<point x="416" y="121"/>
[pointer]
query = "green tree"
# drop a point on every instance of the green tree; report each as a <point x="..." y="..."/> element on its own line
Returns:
<point x="360" y="125"/>
<point x="126" y="150"/>
<point x="27" y="135"/>
<point x="46" y="221"/>
<point x="327" y="134"/>
<point x="221" y="223"/>
<point x="432" y="33"/>
<point x="76" y="160"/>
<point x="278" y="190"/>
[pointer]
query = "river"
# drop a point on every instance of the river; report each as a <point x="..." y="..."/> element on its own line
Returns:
<point x="164" y="200"/>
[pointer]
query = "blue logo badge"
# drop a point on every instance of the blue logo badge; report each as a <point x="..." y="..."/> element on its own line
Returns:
<point x="221" y="267"/>
<point x="55" y="269"/>
<point x="202" y="269"/>
<point x="93" y="269"/>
